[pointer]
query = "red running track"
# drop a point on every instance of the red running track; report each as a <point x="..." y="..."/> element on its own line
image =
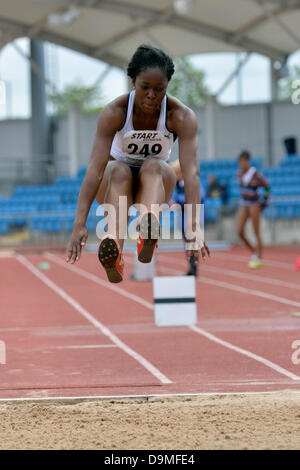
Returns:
<point x="68" y="332"/>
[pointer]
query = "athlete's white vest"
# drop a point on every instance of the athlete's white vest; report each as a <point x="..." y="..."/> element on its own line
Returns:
<point x="133" y="147"/>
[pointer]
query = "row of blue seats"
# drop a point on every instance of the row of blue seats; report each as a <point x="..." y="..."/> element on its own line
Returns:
<point x="60" y="180"/>
<point x="234" y="192"/>
<point x="11" y="207"/>
<point x="31" y="198"/>
<point x="282" y="211"/>
<point x="278" y="171"/>
<point x="63" y="221"/>
<point x="291" y="161"/>
<point x="50" y="190"/>
<point x="59" y="224"/>
<point x="286" y="191"/>
<point x="4" y="227"/>
<point x="68" y="188"/>
<point x="276" y="177"/>
<point x="283" y="182"/>
<point x="227" y="164"/>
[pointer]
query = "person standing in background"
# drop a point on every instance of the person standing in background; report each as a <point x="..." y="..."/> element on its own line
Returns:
<point x="178" y="197"/>
<point x="251" y="205"/>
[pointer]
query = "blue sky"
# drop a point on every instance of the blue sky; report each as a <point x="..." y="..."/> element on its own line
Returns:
<point x="70" y="67"/>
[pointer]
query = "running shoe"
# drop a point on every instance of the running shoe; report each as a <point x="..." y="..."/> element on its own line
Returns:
<point x="193" y="267"/>
<point x="110" y="256"/>
<point x="149" y="233"/>
<point x="255" y="262"/>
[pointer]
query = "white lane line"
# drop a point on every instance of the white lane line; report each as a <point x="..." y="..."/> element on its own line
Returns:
<point x="148" y="397"/>
<point x="243" y="290"/>
<point x="231" y="346"/>
<point x="97" y="280"/>
<point x="228" y="345"/>
<point x="267" y="262"/>
<point x="114" y="339"/>
<point x="85" y="346"/>
<point x="7" y="254"/>
<point x="266" y="362"/>
<point x="239" y="274"/>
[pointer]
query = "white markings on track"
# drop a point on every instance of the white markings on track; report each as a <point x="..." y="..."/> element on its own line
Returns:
<point x="241" y="275"/>
<point x="243" y="290"/>
<point x="228" y="345"/>
<point x="148" y="397"/>
<point x="266" y="262"/>
<point x="97" y="280"/>
<point x="85" y="346"/>
<point x="144" y="362"/>
<point x="7" y="253"/>
<point x="209" y="336"/>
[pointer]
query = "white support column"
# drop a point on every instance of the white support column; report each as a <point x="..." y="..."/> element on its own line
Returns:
<point x="73" y="139"/>
<point x="211" y="116"/>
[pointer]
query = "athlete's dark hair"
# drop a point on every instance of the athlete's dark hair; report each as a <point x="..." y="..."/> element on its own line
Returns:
<point x="245" y="154"/>
<point x="147" y="56"/>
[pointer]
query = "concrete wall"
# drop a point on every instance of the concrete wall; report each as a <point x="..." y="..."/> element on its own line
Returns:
<point x="244" y="126"/>
<point x="15" y="139"/>
<point x="276" y="232"/>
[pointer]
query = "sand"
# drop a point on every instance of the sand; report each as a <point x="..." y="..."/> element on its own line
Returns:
<point x="252" y="421"/>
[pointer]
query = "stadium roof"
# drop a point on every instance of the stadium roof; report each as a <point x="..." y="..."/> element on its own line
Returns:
<point x="111" y="30"/>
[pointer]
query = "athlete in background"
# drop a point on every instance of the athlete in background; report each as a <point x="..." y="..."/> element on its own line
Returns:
<point x="251" y="205"/>
<point x="178" y="197"/>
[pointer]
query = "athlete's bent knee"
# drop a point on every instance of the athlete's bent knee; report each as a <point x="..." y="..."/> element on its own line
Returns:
<point x="151" y="165"/>
<point x="120" y="174"/>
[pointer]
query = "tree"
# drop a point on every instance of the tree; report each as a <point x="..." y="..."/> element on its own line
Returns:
<point x="187" y="84"/>
<point x="88" y="99"/>
<point x="286" y="89"/>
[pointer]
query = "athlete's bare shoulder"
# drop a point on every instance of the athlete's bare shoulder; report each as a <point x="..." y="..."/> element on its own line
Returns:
<point x="117" y="106"/>
<point x="113" y="114"/>
<point x="180" y="115"/>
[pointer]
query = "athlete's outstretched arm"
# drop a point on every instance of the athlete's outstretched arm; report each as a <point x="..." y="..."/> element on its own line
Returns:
<point x="187" y="130"/>
<point x="109" y="122"/>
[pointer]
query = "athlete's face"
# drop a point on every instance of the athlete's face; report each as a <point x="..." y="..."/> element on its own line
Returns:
<point x="150" y="89"/>
<point x="244" y="164"/>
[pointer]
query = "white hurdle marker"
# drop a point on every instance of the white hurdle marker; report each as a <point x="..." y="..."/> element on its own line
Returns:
<point x="143" y="271"/>
<point x="174" y="301"/>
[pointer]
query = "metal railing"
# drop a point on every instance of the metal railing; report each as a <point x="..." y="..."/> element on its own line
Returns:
<point x="30" y="170"/>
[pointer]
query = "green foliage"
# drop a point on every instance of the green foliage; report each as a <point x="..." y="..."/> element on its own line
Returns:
<point x="285" y="85"/>
<point x="187" y="85"/>
<point x="87" y="99"/>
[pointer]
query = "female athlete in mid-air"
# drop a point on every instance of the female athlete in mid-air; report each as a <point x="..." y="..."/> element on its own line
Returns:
<point x="133" y="142"/>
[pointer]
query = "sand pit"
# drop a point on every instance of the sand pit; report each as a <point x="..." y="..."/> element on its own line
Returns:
<point x="249" y="421"/>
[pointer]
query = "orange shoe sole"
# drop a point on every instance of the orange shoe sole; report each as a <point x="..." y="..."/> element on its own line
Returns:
<point x="149" y="234"/>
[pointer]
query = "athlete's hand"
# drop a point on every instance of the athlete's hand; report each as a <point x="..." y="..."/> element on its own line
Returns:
<point x="77" y="242"/>
<point x="196" y="246"/>
<point x="203" y="252"/>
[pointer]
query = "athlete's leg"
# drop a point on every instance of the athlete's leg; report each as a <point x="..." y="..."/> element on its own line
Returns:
<point x="255" y="212"/>
<point x="156" y="183"/>
<point x="242" y="217"/>
<point x="116" y="182"/>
